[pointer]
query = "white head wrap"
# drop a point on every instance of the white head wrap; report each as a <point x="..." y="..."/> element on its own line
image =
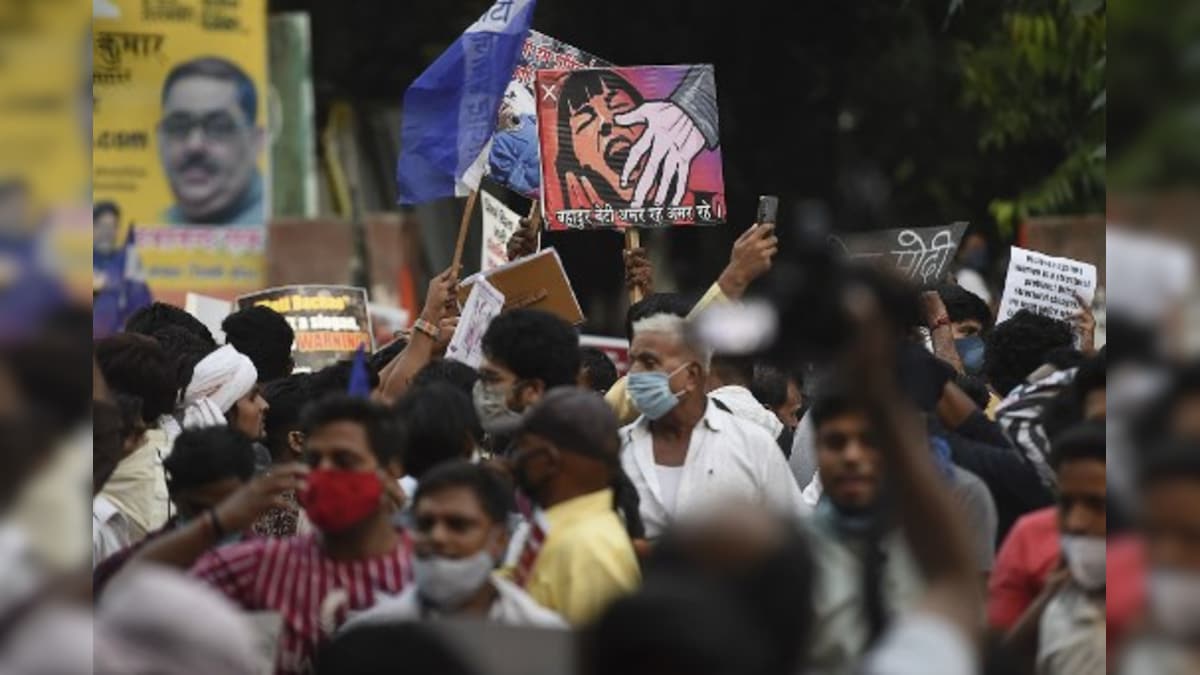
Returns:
<point x="218" y="381"/>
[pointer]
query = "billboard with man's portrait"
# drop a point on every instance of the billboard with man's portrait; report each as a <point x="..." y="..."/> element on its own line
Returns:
<point x="630" y="147"/>
<point x="180" y="140"/>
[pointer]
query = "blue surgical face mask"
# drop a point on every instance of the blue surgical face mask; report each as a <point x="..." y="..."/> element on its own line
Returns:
<point x="971" y="351"/>
<point x="651" y="392"/>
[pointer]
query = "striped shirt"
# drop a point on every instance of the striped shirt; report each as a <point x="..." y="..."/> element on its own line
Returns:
<point x="312" y="594"/>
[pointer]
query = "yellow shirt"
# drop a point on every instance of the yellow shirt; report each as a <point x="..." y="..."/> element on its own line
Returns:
<point x="617" y="396"/>
<point x="587" y="560"/>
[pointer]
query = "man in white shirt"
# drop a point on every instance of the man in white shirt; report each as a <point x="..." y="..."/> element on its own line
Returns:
<point x="685" y="454"/>
<point x="460" y="512"/>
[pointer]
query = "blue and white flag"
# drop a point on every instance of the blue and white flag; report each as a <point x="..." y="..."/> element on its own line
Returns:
<point x="450" y="110"/>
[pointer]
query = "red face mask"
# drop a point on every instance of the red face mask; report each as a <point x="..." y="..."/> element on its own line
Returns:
<point x="337" y="500"/>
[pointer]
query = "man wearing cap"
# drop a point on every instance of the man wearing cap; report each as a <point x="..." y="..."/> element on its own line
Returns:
<point x="578" y="556"/>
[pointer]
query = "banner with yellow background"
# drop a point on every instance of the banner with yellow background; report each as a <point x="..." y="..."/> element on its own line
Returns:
<point x="180" y="141"/>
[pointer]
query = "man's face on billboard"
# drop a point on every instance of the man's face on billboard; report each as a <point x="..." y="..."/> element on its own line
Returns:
<point x="600" y="144"/>
<point x="208" y="147"/>
<point x="104" y="232"/>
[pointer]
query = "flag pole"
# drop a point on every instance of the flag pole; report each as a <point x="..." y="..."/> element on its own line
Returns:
<point x="633" y="240"/>
<point x="462" y="231"/>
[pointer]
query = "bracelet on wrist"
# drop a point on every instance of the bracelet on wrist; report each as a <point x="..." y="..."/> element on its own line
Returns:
<point x="426" y="328"/>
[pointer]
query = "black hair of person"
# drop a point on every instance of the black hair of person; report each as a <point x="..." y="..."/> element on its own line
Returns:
<point x="674" y="626"/>
<point x="438" y="424"/>
<point x="494" y="495"/>
<point x="833" y="399"/>
<point x="216" y="68"/>
<point x="577" y="91"/>
<point x="535" y="345"/>
<point x="137" y="365"/>
<point x="388" y="353"/>
<point x="105" y="207"/>
<point x="963" y="305"/>
<point x="1067" y="408"/>
<point x="731" y="370"/>
<point x="656" y="303"/>
<point x="377" y="421"/>
<point x="202" y="456"/>
<point x="335" y="379"/>
<point x="770" y="385"/>
<point x="54" y="369"/>
<point x="580" y="421"/>
<point x="185" y="349"/>
<point x="286" y="399"/>
<point x="265" y="336"/>
<point x="1021" y="345"/>
<point x="1169" y="460"/>
<point x="157" y="315"/>
<point x="601" y="371"/>
<point x="449" y="371"/>
<point x="1084" y="441"/>
<point x="1153" y="425"/>
<point x="373" y="649"/>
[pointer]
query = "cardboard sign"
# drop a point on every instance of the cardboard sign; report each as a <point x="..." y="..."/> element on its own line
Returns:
<point x="535" y="282"/>
<point x="499" y="223"/>
<point x="1046" y="285"/>
<point x="630" y="147"/>
<point x="210" y="311"/>
<point x="616" y="349"/>
<point x="330" y="321"/>
<point x="483" y="304"/>
<point x="923" y="255"/>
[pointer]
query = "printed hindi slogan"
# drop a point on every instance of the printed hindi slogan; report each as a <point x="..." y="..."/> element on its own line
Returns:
<point x="922" y="255"/>
<point x="1046" y="285"/>
<point x="499" y="223"/>
<point x="330" y="321"/>
<point x="630" y="147"/>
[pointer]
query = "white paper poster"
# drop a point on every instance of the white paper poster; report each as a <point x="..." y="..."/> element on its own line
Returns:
<point x="499" y="223"/>
<point x="1047" y="285"/>
<point x="211" y="312"/>
<point x="483" y="304"/>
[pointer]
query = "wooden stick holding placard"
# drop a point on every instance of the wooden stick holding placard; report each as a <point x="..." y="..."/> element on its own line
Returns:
<point x="633" y="241"/>
<point x="462" y="231"/>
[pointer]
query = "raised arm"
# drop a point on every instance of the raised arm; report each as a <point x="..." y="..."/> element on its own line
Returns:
<point x="423" y="343"/>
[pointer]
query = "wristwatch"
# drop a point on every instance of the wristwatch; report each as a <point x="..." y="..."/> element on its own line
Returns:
<point x="423" y="326"/>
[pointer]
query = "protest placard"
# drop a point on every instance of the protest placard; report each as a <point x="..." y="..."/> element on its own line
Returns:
<point x="201" y="211"/>
<point x="1046" y="285"/>
<point x="483" y="304"/>
<point x="922" y="255"/>
<point x="499" y="223"/>
<point x="630" y="147"/>
<point x="330" y="321"/>
<point x="535" y="282"/>
<point x="616" y="349"/>
<point x="511" y="157"/>
<point x="211" y="312"/>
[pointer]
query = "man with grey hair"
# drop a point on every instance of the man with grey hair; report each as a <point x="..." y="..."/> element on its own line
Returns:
<point x="684" y="454"/>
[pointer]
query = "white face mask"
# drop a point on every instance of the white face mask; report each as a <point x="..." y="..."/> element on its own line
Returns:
<point x="1174" y="597"/>
<point x="1086" y="560"/>
<point x="447" y="583"/>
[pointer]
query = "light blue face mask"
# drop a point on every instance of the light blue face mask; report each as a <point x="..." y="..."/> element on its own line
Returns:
<point x="971" y="350"/>
<point x="651" y="392"/>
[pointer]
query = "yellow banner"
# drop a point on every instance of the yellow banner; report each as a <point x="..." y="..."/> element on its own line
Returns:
<point x="180" y="139"/>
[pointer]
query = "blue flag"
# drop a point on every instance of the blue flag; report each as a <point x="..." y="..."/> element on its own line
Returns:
<point x="450" y="110"/>
<point x="360" y="381"/>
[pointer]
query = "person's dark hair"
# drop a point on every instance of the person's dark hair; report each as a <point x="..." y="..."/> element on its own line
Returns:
<point x="335" y="379"/>
<point x="202" y="456"/>
<point x="734" y="369"/>
<point x="963" y="305"/>
<point x="674" y="626"/>
<point x="53" y="369"/>
<point x="137" y="365"/>
<point x="371" y="649"/>
<point x="185" y="349"/>
<point x="264" y="335"/>
<point x="1086" y="440"/>
<point x="1067" y="408"/>
<point x="382" y="357"/>
<point x="449" y="371"/>
<point x="105" y="207"/>
<point x="579" y="88"/>
<point x="495" y="497"/>
<point x="656" y="303"/>
<point x="378" y="421"/>
<point x="438" y="423"/>
<point x="1065" y="358"/>
<point x="1167" y="460"/>
<point x="601" y="371"/>
<point x="217" y="68"/>
<point x="833" y="399"/>
<point x="157" y="315"/>
<point x="770" y="385"/>
<point x="286" y="399"/>
<point x="535" y="345"/>
<point x="1020" y="345"/>
<point x="1156" y="418"/>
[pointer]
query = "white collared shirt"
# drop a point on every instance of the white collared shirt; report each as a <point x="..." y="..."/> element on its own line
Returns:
<point x="111" y="530"/>
<point x="727" y="458"/>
